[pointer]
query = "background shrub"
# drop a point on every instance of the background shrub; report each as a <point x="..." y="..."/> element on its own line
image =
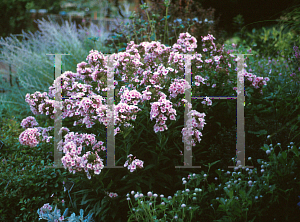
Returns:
<point x="26" y="54"/>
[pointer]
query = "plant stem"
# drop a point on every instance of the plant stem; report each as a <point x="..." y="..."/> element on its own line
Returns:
<point x="150" y="25"/>
<point x="166" y="27"/>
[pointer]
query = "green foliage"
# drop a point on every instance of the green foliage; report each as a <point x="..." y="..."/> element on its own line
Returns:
<point x="164" y="25"/>
<point x="271" y="41"/>
<point x="15" y="14"/>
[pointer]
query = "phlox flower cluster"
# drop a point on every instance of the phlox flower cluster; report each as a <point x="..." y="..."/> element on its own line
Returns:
<point x="257" y="82"/>
<point x="178" y="86"/>
<point x="29" y="122"/>
<point x="186" y="43"/>
<point x="111" y="195"/>
<point x="72" y="147"/>
<point x="158" y="109"/>
<point x="130" y="97"/>
<point x="196" y="120"/>
<point x="133" y="165"/>
<point x="207" y="101"/>
<point x="123" y="113"/>
<point x="143" y="66"/>
<point x="30" y="137"/>
<point x="36" y="99"/>
<point x="222" y="63"/>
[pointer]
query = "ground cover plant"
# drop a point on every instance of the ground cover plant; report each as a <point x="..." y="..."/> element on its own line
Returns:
<point x="213" y="193"/>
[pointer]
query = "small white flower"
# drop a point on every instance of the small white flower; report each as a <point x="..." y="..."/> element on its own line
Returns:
<point x="183" y="205"/>
<point x="162" y="203"/>
<point x="150" y="204"/>
<point x="161" y="195"/>
<point x="268" y="152"/>
<point x="268" y="136"/>
<point x="155" y="195"/>
<point x="169" y="198"/>
<point x="149" y="194"/>
<point x="216" y="178"/>
<point x="196" y="189"/>
<point x="127" y="195"/>
<point x="256" y="197"/>
<point x="194" y="198"/>
<point x="190" y="208"/>
<point x="291" y="143"/>
<point x="132" y="192"/>
<point x="278" y="144"/>
<point x="183" y="178"/>
<point x="249" y="158"/>
<point x="175" y="217"/>
<point x="187" y="190"/>
<point x="194" y="174"/>
<point x="128" y="198"/>
<point x="204" y="175"/>
<point x="262" y="170"/>
<point x="184" y="182"/>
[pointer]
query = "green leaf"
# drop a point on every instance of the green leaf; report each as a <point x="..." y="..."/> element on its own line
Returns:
<point x="223" y="201"/>
<point x="242" y="193"/>
<point x="284" y="155"/>
<point x="279" y="173"/>
<point x="149" y="166"/>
